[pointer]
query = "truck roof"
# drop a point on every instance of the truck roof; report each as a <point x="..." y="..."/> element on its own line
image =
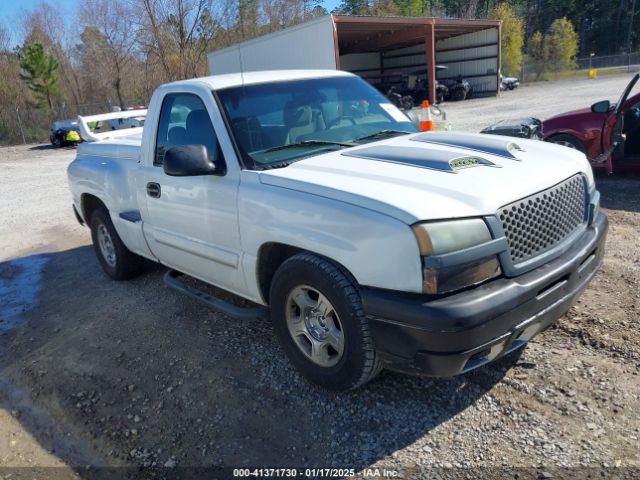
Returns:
<point x="218" y="82"/>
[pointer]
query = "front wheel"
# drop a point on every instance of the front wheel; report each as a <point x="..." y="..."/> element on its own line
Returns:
<point x="115" y="258"/>
<point x="569" y="141"/>
<point x="317" y="315"/>
<point x="459" y="94"/>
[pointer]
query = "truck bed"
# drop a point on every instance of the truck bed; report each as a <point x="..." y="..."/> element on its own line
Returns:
<point x="122" y="147"/>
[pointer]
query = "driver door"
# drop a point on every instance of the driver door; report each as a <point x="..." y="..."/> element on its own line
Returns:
<point x="612" y="133"/>
<point x="192" y="221"/>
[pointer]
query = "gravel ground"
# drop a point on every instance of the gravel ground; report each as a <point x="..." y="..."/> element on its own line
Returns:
<point x="98" y="373"/>
<point x="541" y="100"/>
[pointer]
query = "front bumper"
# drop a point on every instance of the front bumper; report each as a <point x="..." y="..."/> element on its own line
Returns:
<point x="455" y="334"/>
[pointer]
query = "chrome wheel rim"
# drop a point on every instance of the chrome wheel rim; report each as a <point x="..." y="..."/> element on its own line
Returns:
<point x="314" y="326"/>
<point x="106" y="246"/>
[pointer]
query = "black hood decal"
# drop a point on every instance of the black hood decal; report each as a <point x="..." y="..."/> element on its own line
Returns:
<point x="490" y="144"/>
<point x="444" y="161"/>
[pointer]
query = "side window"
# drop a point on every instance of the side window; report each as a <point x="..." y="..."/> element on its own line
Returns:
<point x="184" y="120"/>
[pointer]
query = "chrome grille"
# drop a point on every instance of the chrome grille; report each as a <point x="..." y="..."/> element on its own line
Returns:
<point x="538" y="223"/>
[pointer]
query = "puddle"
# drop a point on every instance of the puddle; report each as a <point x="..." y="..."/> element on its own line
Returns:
<point x="20" y="285"/>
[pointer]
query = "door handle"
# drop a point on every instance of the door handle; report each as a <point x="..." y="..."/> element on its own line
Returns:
<point x="153" y="190"/>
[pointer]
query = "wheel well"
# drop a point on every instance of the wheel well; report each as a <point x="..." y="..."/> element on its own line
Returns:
<point x="89" y="204"/>
<point x="270" y="257"/>
<point x="580" y="145"/>
<point x="564" y="134"/>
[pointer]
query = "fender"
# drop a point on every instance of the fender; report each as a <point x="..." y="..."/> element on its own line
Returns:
<point x="112" y="181"/>
<point x="591" y="140"/>
<point x="378" y="250"/>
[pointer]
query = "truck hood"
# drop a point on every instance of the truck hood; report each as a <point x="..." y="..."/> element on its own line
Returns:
<point x="411" y="179"/>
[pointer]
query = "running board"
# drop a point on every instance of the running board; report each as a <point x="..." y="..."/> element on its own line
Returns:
<point x="217" y="304"/>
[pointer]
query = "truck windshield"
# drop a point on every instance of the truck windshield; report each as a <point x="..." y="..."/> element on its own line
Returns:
<point x="278" y="122"/>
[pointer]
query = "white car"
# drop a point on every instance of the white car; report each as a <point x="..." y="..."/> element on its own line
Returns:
<point x="370" y="245"/>
<point x="106" y="126"/>
<point x="131" y="122"/>
<point x="509" y="83"/>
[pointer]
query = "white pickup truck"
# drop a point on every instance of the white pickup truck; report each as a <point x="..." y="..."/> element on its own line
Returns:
<point x="370" y="245"/>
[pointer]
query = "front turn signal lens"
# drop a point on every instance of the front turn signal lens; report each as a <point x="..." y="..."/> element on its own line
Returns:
<point x="437" y="281"/>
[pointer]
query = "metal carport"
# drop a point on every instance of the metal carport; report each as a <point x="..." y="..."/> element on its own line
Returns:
<point x="369" y="45"/>
<point x="470" y="48"/>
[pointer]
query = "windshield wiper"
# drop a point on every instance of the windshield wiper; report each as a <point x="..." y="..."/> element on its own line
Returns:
<point x="288" y="161"/>
<point x="382" y="133"/>
<point x="310" y="143"/>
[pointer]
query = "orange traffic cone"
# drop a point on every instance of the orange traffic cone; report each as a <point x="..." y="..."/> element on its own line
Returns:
<point x="426" y="122"/>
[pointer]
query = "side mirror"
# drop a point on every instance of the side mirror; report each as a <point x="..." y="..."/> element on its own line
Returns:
<point x="189" y="161"/>
<point x="601" y="107"/>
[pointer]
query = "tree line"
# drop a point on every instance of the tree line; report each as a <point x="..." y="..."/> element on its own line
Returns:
<point x="121" y="50"/>
<point x="604" y="27"/>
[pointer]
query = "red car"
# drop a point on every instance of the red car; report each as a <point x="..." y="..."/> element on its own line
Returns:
<point x="608" y="133"/>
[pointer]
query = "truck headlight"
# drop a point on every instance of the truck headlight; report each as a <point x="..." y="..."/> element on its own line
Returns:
<point x="448" y="249"/>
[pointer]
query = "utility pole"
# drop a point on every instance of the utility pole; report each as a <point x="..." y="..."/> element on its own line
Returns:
<point x="241" y="7"/>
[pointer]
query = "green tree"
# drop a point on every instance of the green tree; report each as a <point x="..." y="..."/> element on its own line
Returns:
<point x="537" y="53"/>
<point x="384" y="8"/>
<point x="556" y="50"/>
<point x="512" y="38"/>
<point x="561" y="44"/>
<point x="40" y="73"/>
<point x="353" y="7"/>
<point x="410" y="8"/>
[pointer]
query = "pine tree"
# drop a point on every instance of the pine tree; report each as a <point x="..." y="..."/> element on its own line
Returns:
<point x="40" y="73"/>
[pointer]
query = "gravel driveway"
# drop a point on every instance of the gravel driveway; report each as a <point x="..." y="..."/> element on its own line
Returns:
<point x="541" y="100"/>
<point x="99" y="373"/>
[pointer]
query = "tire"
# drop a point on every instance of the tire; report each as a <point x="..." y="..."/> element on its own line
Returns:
<point x="57" y="142"/>
<point x="459" y="94"/>
<point x="296" y="284"/>
<point x="569" y="141"/>
<point x="116" y="260"/>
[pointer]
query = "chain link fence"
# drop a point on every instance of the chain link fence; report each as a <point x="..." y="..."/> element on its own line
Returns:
<point x="626" y="61"/>
<point x="609" y="61"/>
<point x="33" y="125"/>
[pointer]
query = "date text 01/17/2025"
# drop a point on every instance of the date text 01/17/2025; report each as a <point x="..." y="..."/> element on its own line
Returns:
<point x="313" y="473"/>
